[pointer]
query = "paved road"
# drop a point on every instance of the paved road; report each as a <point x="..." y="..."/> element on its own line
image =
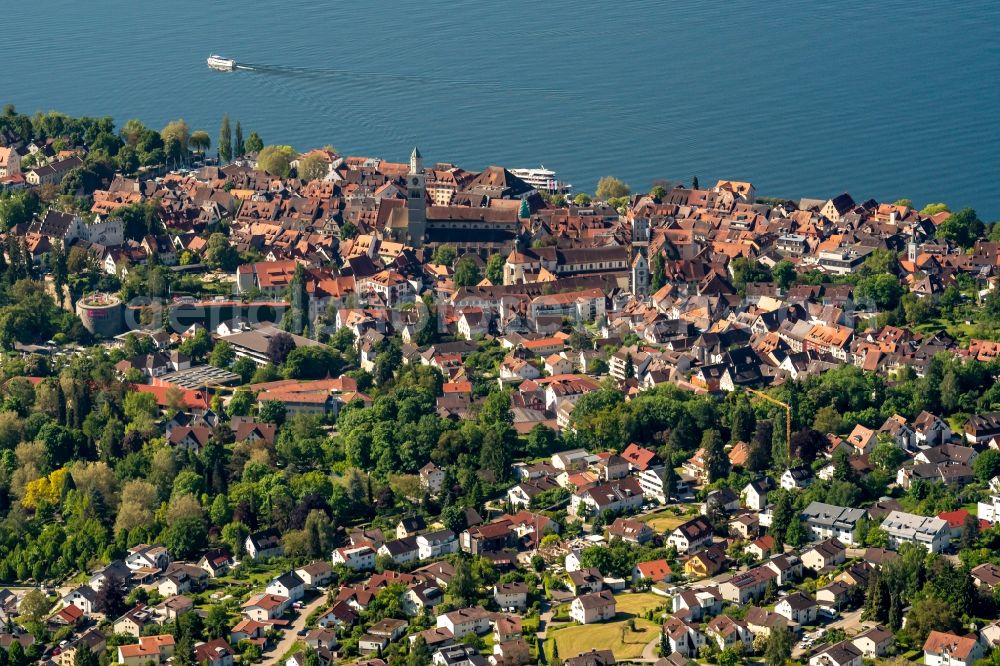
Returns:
<point x="543" y="624"/>
<point x="291" y="633"/>
<point x="649" y="652"/>
<point x="850" y="623"/>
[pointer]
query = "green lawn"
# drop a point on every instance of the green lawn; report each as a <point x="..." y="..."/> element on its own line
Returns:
<point x="606" y="636"/>
<point x="664" y="521"/>
<point x="638" y="603"/>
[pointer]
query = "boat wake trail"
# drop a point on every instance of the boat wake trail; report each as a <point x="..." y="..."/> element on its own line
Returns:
<point x="387" y="76"/>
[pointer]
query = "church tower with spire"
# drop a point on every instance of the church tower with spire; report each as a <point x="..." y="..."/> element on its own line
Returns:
<point x="416" y="200"/>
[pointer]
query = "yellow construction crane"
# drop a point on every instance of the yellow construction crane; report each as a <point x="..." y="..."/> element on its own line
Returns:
<point x="788" y="419"/>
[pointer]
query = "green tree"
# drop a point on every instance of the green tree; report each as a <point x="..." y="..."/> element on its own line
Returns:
<point x="494" y="268"/>
<point x="882" y="291"/>
<point x="220" y="254"/>
<point x="779" y="647"/>
<point x="254" y="143"/>
<point x="185" y="537"/>
<point x="177" y="130"/>
<point x="716" y="461"/>
<point x="272" y="411"/>
<point x="610" y="187"/>
<point x="276" y="160"/>
<point x="742" y="420"/>
<point x="18" y="207"/>
<point x="658" y="273"/>
<point x="238" y="147"/>
<point x="963" y="227"/>
<point x="241" y="403"/>
<point x="84" y="656"/>
<point x="931" y="613"/>
<point x="34" y="605"/>
<point x="313" y="167"/>
<point x="886" y="457"/>
<point x="463" y="587"/>
<point x="200" y="141"/>
<point x="582" y="199"/>
<point x="934" y="208"/>
<point x="313" y="363"/>
<point x="783" y="273"/>
<point x="987" y="465"/>
<point x="226" y="140"/>
<point x="444" y="255"/>
<point x="467" y="272"/>
<point x="419" y="654"/>
<point x="222" y="355"/>
<point x="217" y="621"/>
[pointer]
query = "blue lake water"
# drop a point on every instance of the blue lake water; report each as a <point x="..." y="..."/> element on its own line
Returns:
<point x="884" y="99"/>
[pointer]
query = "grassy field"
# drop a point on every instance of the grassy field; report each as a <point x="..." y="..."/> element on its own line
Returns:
<point x="606" y="636"/>
<point x="638" y="603"/>
<point x="663" y="521"/>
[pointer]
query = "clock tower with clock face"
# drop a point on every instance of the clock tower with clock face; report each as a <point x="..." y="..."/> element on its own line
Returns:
<point x="416" y="200"/>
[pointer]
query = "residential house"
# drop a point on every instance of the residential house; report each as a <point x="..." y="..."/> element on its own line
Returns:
<point x="796" y="478"/>
<point x="874" y="642"/>
<point x="265" y="607"/>
<point x="83" y="597"/>
<point x="748" y="585"/>
<point x="584" y="581"/>
<point x="706" y="562"/>
<point x="287" y="585"/>
<point x="762" y="547"/>
<point x="216" y="562"/>
<point x="614" y="496"/>
<point x="798" y="607"/>
<point x="358" y="558"/>
<point x="474" y="620"/>
<point x="216" y="652"/>
<point x="683" y="637"/>
<point x="431" y="478"/>
<point x="654" y="571"/>
<point x="436" y="544"/>
<point x="264" y="544"/>
<point x="156" y="649"/>
<point x="834" y="596"/>
<point x="458" y="655"/>
<point x="948" y="649"/>
<point x="633" y="531"/>
<point x="844" y="653"/>
<point x="787" y="568"/>
<point x="986" y="576"/>
<point x="511" y="595"/>
<point x="755" y="494"/>
<point x="696" y="604"/>
<point x="931" y="533"/>
<point x="400" y="551"/>
<point x="135" y="621"/>
<point x="314" y="575"/>
<point x="491" y="537"/>
<point x="727" y="632"/>
<point x="146" y="556"/>
<point x="410" y="526"/>
<point x="691" y="535"/>
<point x="981" y="428"/>
<point x="931" y="430"/>
<point x="593" y="658"/>
<point x="828" y="521"/>
<point x="862" y="439"/>
<point x="824" y="555"/>
<point x="593" y="607"/>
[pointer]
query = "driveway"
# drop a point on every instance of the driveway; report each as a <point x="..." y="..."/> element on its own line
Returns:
<point x="291" y="633"/>
<point x="850" y="623"/>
